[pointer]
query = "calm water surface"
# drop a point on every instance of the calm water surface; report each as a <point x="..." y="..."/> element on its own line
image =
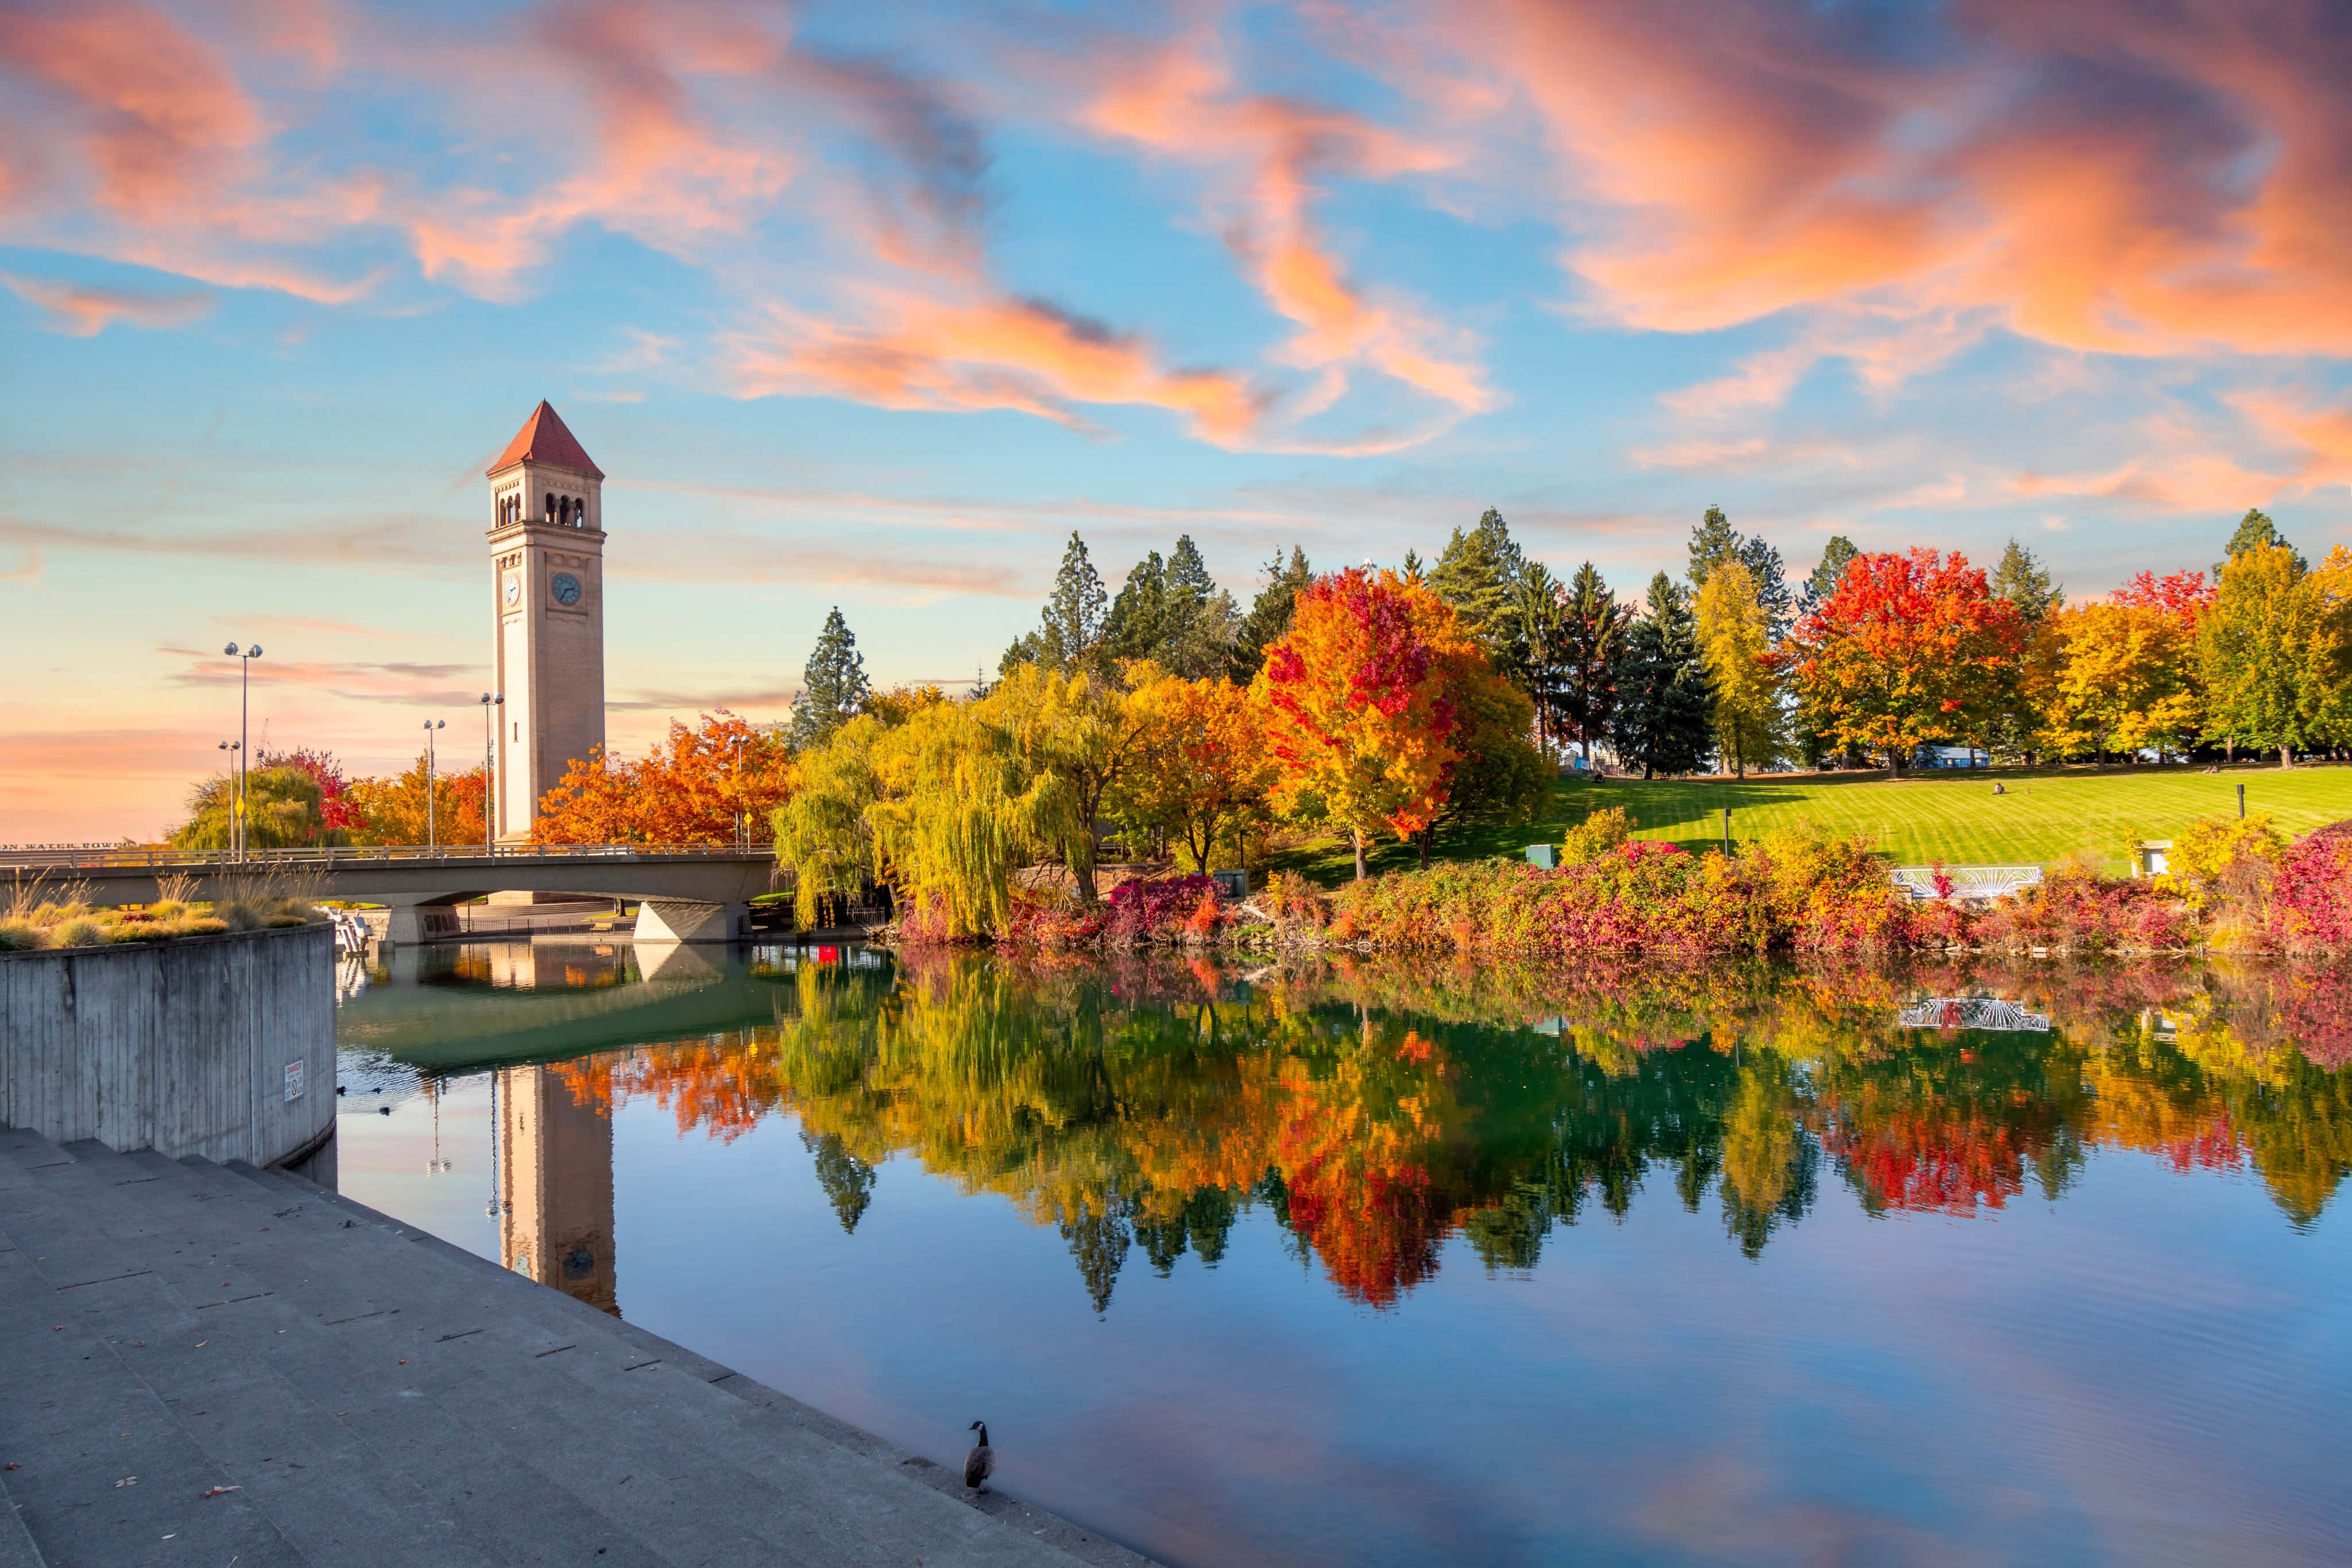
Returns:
<point x="1398" y="1264"/>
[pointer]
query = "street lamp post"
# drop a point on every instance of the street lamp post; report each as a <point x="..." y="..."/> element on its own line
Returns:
<point x="432" y="840"/>
<point x="236" y="749"/>
<point x="490" y="752"/>
<point x="243" y="657"/>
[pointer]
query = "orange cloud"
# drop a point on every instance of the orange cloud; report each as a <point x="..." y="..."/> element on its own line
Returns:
<point x="992" y="353"/>
<point x="2102" y="176"/>
<point x="156" y="109"/>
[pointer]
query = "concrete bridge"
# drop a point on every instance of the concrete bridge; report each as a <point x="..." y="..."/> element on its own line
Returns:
<point x="685" y="893"/>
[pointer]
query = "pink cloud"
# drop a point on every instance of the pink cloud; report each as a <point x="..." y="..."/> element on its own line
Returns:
<point x="83" y="311"/>
<point x="154" y="108"/>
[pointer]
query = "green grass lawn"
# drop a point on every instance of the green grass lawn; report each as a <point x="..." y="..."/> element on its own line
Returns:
<point x="1951" y="817"/>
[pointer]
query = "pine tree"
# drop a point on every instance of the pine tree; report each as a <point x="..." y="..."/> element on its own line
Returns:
<point x="1770" y="581"/>
<point x="1269" y="614"/>
<point x="1137" y="626"/>
<point x="1592" y="628"/>
<point x="833" y="685"/>
<point x="1664" y="702"/>
<point x="2256" y="532"/>
<point x="1474" y="575"/>
<point x="848" y="1181"/>
<point x="1072" y="633"/>
<point x="1712" y="542"/>
<point x="1540" y="632"/>
<point x="1836" y="556"/>
<point x="2025" y="583"/>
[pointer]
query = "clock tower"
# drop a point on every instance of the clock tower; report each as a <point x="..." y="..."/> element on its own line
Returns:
<point x="547" y="588"/>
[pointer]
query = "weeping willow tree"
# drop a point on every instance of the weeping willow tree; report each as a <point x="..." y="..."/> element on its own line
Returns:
<point x="1084" y="731"/>
<point x="943" y="806"/>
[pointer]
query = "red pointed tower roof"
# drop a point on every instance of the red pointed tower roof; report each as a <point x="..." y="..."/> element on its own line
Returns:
<point x="543" y="438"/>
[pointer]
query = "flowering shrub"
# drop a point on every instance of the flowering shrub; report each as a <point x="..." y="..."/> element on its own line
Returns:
<point x="2075" y="909"/>
<point x="1798" y="890"/>
<point x="1162" y="906"/>
<point x="2311" y="892"/>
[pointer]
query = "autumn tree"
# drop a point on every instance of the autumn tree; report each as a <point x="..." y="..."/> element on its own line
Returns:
<point x="393" y="810"/>
<point x="1082" y="732"/>
<point x="1664" y="701"/>
<point x="1499" y="775"/>
<point x="1269" y="614"/>
<point x="1910" y="650"/>
<point x="336" y="811"/>
<point x="1734" y="636"/>
<point x="1714" y="541"/>
<point x="2123" y="674"/>
<point x="1359" y="715"/>
<point x="705" y="785"/>
<point x="833" y="684"/>
<point x="1201" y="764"/>
<point x="2275" y="649"/>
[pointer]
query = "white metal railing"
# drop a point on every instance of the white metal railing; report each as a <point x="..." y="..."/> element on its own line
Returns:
<point x="135" y="858"/>
<point x="1967" y="880"/>
<point x="1972" y="1012"/>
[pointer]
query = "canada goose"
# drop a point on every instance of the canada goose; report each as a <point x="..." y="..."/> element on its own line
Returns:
<point x="980" y="1463"/>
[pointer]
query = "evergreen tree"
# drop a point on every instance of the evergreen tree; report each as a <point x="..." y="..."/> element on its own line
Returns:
<point x="1836" y="556"/>
<point x="1137" y="626"/>
<point x="1664" y="706"/>
<point x="1539" y="632"/>
<point x="1269" y="614"/>
<point x="833" y="685"/>
<point x="2025" y="583"/>
<point x="2256" y="532"/>
<point x="1071" y="634"/>
<point x="1100" y="1241"/>
<point x="1712" y="542"/>
<point x="1173" y="612"/>
<point x="848" y="1181"/>
<point x="1474" y="575"/>
<point x="1593" y="627"/>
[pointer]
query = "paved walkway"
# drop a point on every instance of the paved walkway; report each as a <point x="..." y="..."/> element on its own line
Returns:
<point x="211" y="1364"/>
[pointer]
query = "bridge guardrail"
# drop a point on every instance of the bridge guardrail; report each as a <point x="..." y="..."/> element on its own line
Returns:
<point x="115" y="858"/>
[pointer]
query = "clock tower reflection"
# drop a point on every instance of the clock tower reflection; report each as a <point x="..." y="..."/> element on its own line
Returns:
<point x="555" y="1168"/>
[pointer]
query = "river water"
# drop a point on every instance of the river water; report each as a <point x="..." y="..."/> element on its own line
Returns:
<point x="1390" y="1263"/>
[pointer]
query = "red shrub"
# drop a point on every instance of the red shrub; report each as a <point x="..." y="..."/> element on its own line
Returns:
<point x="2311" y="892"/>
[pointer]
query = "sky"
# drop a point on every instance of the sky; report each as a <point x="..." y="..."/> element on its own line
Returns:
<point x="874" y="306"/>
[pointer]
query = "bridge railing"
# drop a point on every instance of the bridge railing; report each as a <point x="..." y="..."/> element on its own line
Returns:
<point x="119" y="858"/>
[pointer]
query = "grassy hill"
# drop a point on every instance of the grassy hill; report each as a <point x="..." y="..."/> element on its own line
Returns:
<point x="1953" y="817"/>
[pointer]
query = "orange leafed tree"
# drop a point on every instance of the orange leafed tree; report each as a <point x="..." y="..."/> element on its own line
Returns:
<point x="393" y="810"/>
<point x="693" y="788"/>
<point x="1910" y="649"/>
<point x="1201" y="764"/>
<point x="1358" y="708"/>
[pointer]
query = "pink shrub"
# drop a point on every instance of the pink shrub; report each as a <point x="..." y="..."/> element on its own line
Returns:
<point x="2311" y="892"/>
<point x="1159" y="906"/>
<point x="2076" y="910"/>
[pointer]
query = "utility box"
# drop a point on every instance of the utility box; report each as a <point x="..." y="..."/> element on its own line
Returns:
<point x="2151" y="857"/>
<point x="1544" y="855"/>
<point x="1233" y="884"/>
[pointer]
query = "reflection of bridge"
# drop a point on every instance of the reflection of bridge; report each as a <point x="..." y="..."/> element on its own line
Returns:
<point x="687" y="893"/>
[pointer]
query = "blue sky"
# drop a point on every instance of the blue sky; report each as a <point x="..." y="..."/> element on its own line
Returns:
<point x="874" y="306"/>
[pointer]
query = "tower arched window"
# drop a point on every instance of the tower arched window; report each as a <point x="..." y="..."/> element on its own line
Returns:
<point x="551" y="506"/>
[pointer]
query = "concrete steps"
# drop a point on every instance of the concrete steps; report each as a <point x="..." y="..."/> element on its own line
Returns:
<point x="367" y="1393"/>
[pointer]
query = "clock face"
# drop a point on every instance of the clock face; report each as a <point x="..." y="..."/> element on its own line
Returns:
<point x="513" y="591"/>
<point x="566" y="588"/>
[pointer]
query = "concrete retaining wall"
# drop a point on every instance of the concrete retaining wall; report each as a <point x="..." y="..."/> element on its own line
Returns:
<point x="188" y="1047"/>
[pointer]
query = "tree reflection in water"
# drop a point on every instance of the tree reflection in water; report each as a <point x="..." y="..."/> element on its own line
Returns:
<point x="1377" y="1111"/>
